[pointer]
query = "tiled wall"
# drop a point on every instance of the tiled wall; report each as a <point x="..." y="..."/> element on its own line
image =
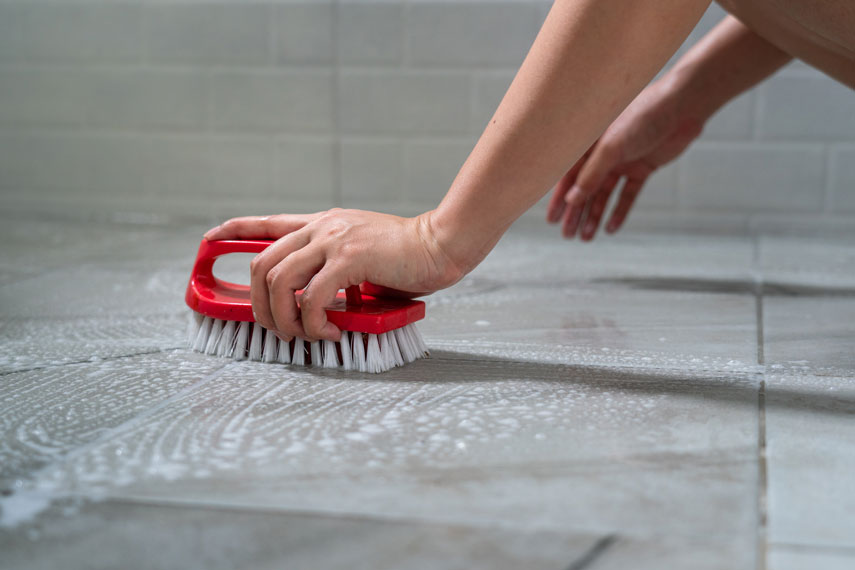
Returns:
<point x="228" y="107"/>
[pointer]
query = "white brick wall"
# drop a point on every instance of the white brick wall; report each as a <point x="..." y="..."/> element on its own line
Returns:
<point x="232" y="106"/>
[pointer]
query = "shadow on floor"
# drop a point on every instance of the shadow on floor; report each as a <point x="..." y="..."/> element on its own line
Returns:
<point x="743" y="388"/>
<point x="694" y="285"/>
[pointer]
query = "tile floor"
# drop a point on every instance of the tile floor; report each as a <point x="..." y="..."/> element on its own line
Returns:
<point x="645" y="401"/>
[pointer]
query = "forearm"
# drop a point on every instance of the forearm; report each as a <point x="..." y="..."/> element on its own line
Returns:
<point x="729" y="60"/>
<point x="590" y="59"/>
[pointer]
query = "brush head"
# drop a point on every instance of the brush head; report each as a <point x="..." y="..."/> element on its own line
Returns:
<point x="364" y="352"/>
<point x="224" y="325"/>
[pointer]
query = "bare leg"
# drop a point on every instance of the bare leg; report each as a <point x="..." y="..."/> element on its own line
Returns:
<point x="819" y="32"/>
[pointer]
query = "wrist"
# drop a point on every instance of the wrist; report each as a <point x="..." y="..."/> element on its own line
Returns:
<point x="457" y="247"/>
<point x="695" y="96"/>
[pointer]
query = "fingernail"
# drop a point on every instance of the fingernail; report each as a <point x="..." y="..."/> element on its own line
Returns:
<point x="570" y="196"/>
<point x="590" y="227"/>
<point x="283" y="337"/>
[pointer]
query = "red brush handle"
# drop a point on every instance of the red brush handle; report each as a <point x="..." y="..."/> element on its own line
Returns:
<point x="231" y="301"/>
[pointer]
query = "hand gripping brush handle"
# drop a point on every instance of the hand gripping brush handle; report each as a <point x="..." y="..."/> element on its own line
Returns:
<point x="377" y="334"/>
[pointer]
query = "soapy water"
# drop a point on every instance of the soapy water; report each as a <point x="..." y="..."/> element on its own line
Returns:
<point x="108" y="427"/>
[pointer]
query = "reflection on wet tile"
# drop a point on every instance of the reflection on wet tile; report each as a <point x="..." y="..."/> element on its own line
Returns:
<point x="534" y="252"/>
<point x="821" y="266"/>
<point x="613" y="327"/>
<point x="811" y="455"/>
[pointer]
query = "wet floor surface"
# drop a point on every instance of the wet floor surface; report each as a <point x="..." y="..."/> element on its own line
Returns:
<point x="645" y="401"/>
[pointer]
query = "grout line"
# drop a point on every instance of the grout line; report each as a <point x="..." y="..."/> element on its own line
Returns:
<point x="763" y="465"/>
<point x="593" y="553"/>
<point x="92" y="361"/>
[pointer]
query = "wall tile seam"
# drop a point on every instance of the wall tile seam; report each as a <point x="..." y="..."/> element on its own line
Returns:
<point x="827" y="186"/>
<point x="172" y="136"/>
<point x="784" y="146"/>
<point x="176" y="68"/>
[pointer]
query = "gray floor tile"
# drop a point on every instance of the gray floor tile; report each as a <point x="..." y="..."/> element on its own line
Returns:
<point x="810" y="333"/>
<point x="53" y="341"/>
<point x="535" y="253"/>
<point x="616" y="326"/>
<point x="808" y="266"/>
<point x="47" y="413"/>
<point x="583" y="400"/>
<point x="454" y="441"/>
<point x="187" y="536"/>
<point x="809" y="558"/>
<point x="811" y="457"/>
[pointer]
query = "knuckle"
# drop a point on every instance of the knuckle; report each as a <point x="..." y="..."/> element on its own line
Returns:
<point x="307" y="301"/>
<point x="256" y="267"/>
<point x="271" y="278"/>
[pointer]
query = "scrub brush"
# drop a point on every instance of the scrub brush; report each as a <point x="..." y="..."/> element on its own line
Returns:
<point x="376" y="334"/>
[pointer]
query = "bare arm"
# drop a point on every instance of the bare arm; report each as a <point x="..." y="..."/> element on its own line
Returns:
<point x="659" y="124"/>
<point x="589" y="61"/>
<point x="728" y="61"/>
<point x="591" y="58"/>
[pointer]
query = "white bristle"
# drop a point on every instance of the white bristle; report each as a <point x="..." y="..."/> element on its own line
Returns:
<point x="396" y="350"/>
<point x="417" y="339"/>
<point x="241" y="339"/>
<point x="270" y="347"/>
<point x="373" y="360"/>
<point x="346" y="351"/>
<point x="193" y="327"/>
<point x="226" y="346"/>
<point x="214" y="336"/>
<point x="299" y="356"/>
<point x="359" y="352"/>
<point x="315" y="352"/>
<point x="256" y="342"/>
<point x="330" y="354"/>
<point x="284" y="356"/>
<point x="386" y="353"/>
<point x="408" y="351"/>
<point x="202" y="336"/>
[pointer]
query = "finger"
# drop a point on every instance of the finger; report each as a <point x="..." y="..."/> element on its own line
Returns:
<point x="556" y="202"/>
<point x="259" y="271"/>
<point x="259" y="227"/>
<point x="319" y="294"/>
<point x="571" y="219"/>
<point x="293" y="273"/>
<point x="597" y="205"/>
<point x="604" y="158"/>
<point x="629" y="192"/>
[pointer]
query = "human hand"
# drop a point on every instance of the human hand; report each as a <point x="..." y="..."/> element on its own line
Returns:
<point x="651" y="132"/>
<point x="324" y="252"/>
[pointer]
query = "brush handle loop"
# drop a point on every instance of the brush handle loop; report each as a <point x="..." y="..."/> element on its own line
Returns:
<point x="209" y="251"/>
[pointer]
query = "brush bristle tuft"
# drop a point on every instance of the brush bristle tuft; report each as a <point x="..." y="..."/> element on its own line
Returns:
<point x="355" y="351"/>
